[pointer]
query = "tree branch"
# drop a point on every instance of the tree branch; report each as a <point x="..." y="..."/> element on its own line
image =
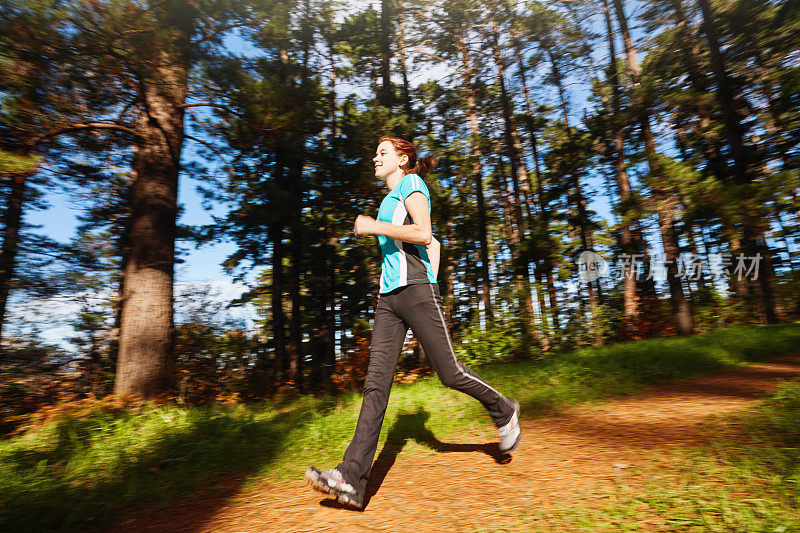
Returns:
<point x="210" y="147"/>
<point x="91" y="126"/>
<point x="206" y="104"/>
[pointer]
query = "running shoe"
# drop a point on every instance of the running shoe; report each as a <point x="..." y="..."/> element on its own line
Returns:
<point x="332" y="482"/>
<point x="314" y="478"/>
<point x="510" y="433"/>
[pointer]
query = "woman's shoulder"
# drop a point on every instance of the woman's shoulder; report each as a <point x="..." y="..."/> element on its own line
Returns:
<point x="414" y="180"/>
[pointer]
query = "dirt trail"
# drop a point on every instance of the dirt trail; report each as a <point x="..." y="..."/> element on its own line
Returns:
<point x="560" y="460"/>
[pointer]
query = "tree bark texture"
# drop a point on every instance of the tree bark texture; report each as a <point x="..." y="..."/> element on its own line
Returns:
<point x="144" y="364"/>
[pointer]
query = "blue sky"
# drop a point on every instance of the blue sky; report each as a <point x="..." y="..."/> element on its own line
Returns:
<point x="202" y="264"/>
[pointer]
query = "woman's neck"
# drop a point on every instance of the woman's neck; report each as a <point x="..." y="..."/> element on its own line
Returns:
<point x="393" y="179"/>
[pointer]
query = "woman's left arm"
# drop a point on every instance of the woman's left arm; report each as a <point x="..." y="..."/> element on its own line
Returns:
<point x="417" y="233"/>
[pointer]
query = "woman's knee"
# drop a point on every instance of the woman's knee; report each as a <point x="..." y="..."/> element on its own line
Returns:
<point x="450" y="379"/>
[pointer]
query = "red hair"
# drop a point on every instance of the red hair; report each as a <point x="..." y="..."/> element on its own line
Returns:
<point x="421" y="166"/>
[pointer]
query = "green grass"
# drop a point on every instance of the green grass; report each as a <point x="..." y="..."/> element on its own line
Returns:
<point x="746" y="484"/>
<point x="80" y="474"/>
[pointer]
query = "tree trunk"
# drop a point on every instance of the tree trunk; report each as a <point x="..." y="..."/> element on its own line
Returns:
<point x="521" y="279"/>
<point x="755" y="236"/>
<point x="579" y="201"/>
<point x="648" y="286"/>
<point x="447" y="267"/>
<point x="550" y="279"/>
<point x="631" y="305"/>
<point x="754" y="241"/>
<point x="519" y="179"/>
<point x="113" y="345"/>
<point x="552" y="311"/>
<point x="12" y="221"/>
<point x="329" y="361"/>
<point x="477" y="175"/>
<point x="664" y="204"/>
<point x="513" y="142"/>
<point x="738" y="286"/>
<point x="147" y="330"/>
<point x="278" y="317"/>
<point x="681" y="309"/>
<point x="296" y="323"/>
<point x="543" y="311"/>
<point x="331" y="302"/>
<point x="385" y="96"/>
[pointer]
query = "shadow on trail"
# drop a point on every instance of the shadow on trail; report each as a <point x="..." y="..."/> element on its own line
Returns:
<point x="411" y="426"/>
<point x="209" y="458"/>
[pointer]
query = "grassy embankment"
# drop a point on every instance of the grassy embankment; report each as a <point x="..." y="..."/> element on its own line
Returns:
<point x="84" y="472"/>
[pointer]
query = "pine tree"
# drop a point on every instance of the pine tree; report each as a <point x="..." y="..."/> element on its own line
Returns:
<point x="665" y="204"/>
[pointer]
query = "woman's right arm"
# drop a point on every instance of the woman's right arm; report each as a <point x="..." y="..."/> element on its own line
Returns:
<point x="434" y="253"/>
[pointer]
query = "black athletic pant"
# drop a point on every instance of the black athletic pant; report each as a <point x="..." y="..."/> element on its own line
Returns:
<point x="417" y="306"/>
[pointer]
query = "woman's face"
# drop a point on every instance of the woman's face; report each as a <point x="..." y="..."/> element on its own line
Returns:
<point x="387" y="161"/>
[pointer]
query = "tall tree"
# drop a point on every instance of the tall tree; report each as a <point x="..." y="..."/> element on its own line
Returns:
<point x="617" y="133"/>
<point x="539" y="240"/>
<point x="743" y="157"/>
<point x="456" y="42"/>
<point x="129" y="72"/>
<point x="519" y="180"/>
<point x="15" y="169"/>
<point x="664" y="203"/>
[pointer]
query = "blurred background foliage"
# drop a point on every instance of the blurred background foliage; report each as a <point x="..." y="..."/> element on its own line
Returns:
<point x="661" y="128"/>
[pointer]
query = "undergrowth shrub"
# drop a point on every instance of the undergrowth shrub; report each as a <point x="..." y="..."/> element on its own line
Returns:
<point x="493" y="343"/>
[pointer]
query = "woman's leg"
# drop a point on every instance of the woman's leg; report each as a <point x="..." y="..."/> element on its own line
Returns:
<point x="388" y="336"/>
<point x="422" y="309"/>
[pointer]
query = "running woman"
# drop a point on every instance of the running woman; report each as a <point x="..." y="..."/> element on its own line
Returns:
<point x="409" y="297"/>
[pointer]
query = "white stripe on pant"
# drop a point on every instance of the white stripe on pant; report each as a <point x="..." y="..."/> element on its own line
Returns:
<point x="417" y="306"/>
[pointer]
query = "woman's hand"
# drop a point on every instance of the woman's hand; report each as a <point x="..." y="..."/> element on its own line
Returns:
<point x="364" y="225"/>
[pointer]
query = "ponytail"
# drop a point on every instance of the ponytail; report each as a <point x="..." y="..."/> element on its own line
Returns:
<point x="421" y="166"/>
<point x="424" y="165"/>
